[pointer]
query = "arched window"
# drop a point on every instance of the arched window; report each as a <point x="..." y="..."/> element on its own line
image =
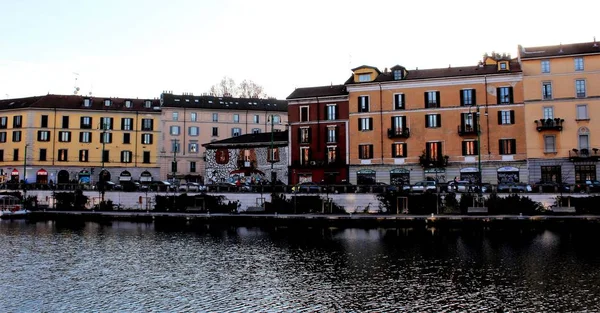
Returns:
<point x="583" y="135"/>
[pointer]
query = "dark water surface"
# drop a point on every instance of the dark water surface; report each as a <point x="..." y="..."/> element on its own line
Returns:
<point x="128" y="267"/>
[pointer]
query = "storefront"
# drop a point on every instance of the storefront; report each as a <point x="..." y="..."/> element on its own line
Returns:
<point x="14" y="176"/>
<point x="399" y="177"/>
<point x="41" y="177"/>
<point x="365" y="177"/>
<point x="145" y="177"/>
<point x="470" y="174"/>
<point x="508" y="174"/>
<point x="83" y="177"/>
<point x="125" y="176"/>
<point x="104" y="176"/>
<point x="63" y="177"/>
<point x="435" y="174"/>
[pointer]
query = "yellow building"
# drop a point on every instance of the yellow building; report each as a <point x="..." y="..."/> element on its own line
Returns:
<point x="562" y="101"/>
<point x="61" y="139"/>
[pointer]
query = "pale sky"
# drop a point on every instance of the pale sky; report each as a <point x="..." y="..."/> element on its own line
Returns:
<point x="138" y="48"/>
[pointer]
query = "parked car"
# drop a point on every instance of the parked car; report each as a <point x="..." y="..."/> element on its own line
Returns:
<point x="462" y="186"/>
<point x="127" y="186"/>
<point x="591" y="185"/>
<point x="162" y="186"/>
<point x="191" y="186"/>
<point x="343" y="187"/>
<point x="378" y="187"/>
<point x="306" y="187"/>
<point x="551" y="187"/>
<point x="514" y="187"/>
<point x="424" y="186"/>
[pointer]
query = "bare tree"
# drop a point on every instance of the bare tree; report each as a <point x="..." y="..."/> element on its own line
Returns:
<point x="246" y="89"/>
<point x="250" y="89"/>
<point x="225" y="87"/>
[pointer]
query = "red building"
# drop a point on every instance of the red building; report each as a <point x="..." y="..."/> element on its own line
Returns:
<point x="318" y="144"/>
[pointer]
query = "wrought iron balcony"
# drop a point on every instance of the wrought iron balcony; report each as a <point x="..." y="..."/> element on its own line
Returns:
<point x="467" y="130"/>
<point x="431" y="162"/>
<point x="583" y="155"/>
<point x="399" y="132"/>
<point x="549" y="124"/>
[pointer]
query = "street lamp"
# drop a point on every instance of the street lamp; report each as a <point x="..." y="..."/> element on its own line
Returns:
<point x="25" y="176"/>
<point x="272" y="152"/>
<point x="102" y="180"/>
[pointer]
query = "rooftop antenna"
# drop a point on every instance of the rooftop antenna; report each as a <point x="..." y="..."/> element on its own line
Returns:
<point x="76" y="88"/>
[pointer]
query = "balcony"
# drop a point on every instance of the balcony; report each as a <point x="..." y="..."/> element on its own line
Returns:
<point x="549" y="124"/>
<point x="467" y="130"/>
<point x="584" y="155"/>
<point x="398" y="132"/>
<point x="432" y="104"/>
<point x="431" y="162"/>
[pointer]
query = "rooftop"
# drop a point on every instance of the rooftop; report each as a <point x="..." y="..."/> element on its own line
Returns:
<point x="77" y="102"/>
<point x="255" y="140"/>
<point x="222" y="103"/>
<point x="319" y="91"/>
<point x="559" y="50"/>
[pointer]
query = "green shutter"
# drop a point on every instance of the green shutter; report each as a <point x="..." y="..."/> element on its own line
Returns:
<point x="513" y="143"/>
<point x="464" y="148"/>
<point x="426" y="102"/>
<point x="426" y="121"/>
<point x="370" y="123"/>
<point x="439" y="120"/>
<point x="510" y="94"/>
<point x="501" y="147"/>
<point x="438" y="100"/>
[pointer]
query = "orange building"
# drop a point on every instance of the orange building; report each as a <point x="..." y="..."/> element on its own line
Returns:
<point x="562" y="98"/>
<point x="411" y="125"/>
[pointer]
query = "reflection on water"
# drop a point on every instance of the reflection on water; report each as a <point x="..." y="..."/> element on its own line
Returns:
<point x="128" y="267"/>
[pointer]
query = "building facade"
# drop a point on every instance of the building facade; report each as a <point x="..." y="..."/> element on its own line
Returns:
<point x="75" y="139"/>
<point x="562" y="101"/>
<point x="190" y="121"/>
<point x="318" y="119"/>
<point x="248" y="159"/>
<point x="411" y="125"/>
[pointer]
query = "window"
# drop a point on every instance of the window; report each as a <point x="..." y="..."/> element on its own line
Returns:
<point x="43" y="135"/>
<point x="85" y="122"/>
<point x="365" y="124"/>
<point x="548" y="113"/>
<point x="399" y="101"/>
<point x="215" y="117"/>
<point x="304" y="114"/>
<point x="128" y="103"/>
<point x="106" y="138"/>
<point x="193" y="116"/>
<point x="467" y="97"/>
<point x="365" y="151"/>
<point x="126" y="156"/>
<point x="545" y="66"/>
<point x="584" y="138"/>
<point x="585" y="172"/>
<point x="85" y="137"/>
<point x="399" y="150"/>
<point x="364" y="77"/>
<point x="175" y="146"/>
<point x="236" y="118"/>
<point x="193" y="131"/>
<point x="106" y="123"/>
<point x="579" y="64"/>
<point x="503" y="65"/>
<point x="580" y="88"/>
<point x="256" y="130"/>
<point x="331" y="112"/>
<point x="432" y="99"/>
<point x="148" y="103"/>
<point x="549" y="144"/>
<point x="126" y="124"/>
<point x="87" y="102"/>
<point x="256" y="119"/>
<point x="363" y="104"/>
<point x="331" y="134"/>
<point x="175" y="116"/>
<point x="17" y="121"/>
<point x="215" y="131"/>
<point x="236" y="132"/>
<point x="146" y="139"/>
<point x="467" y="121"/>
<point x="3" y="122"/>
<point x="192" y="167"/>
<point x="147" y="124"/>
<point x="2" y="136"/>
<point x="44" y="121"/>
<point x="83" y="155"/>
<point x="105" y="156"/>
<point x="63" y="155"/>
<point x="551" y="173"/>
<point x="331" y="154"/>
<point x="397" y="74"/>
<point x="174" y="130"/>
<point x="469" y="147"/>
<point x="16" y="136"/>
<point x="433" y="120"/>
<point x="506" y="117"/>
<point x="65" y="122"/>
<point x="304" y="135"/>
<point x="107" y="103"/>
<point x="505" y="95"/>
<point x="15" y="154"/>
<point x="433" y="150"/>
<point x="64" y="136"/>
<point x="146" y="158"/>
<point x="582" y="112"/>
<point x="273" y="155"/>
<point x="547" y="90"/>
<point x="277" y="119"/>
<point x="1" y="155"/>
<point x="193" y="147"/>
<point x="304" y="155"/>
<point x="43" y="153"/>
<point x="126" y="138"/>
<point x="508" y="146"/>
<point x="174" y="166"/>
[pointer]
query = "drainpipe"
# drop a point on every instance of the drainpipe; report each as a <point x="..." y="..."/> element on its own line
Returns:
<point x="381" y="120"/>
<point x="487" y="118"/>
<point x="318" y="126"/>
<point x="54" y="144"/>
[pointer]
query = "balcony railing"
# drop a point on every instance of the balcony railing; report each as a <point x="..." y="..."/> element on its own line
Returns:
<point x="432" y="104"/>
<point x="466" y="130"/>
<point x="549" y="124"/>
<point x="582" y="155"/>
<point x="398" y="132"/>
<point x="430" y="162"/>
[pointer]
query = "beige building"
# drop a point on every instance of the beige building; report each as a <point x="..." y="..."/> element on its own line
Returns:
<point x="188" y="121"/>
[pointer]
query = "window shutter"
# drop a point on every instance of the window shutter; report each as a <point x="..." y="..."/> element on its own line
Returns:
<point x="473" y="98"/>
<point x="276" y="154"/>
<point x="370" y="151"/>
<point x="392" y="125"/>
<point x="402" y="101"/>
<point x="309" y="135"/>
<point x="497" y="95"/>
<point x="513" y="143"/>
<point x="80" y="137"/>
<point x="438" y="100"/>
<point x="439" y="149"/>
<point x="359" y="124"/>
<point x="367" y="104"/>
<point x="336" y="110"/>
<point x="110" y="138"/>
<point x="499" y="117"/>
<point x="439" y="120"/>
<point x="501" y="149"/>
<point x="426" y="120"/>
<point x="510" y="94"/>
<point x="151" y="124"/>
<point x="476" y="145"/>
<point x="462" y="120"/>
<point x="299" y="134"/>
<point x="428" y="150"/>
<point x="403" y="118"/>
<point x="335" y="131"/>
<point x="464" y="148"/>
<point x="462" y="97"/>
<point x="370" y="123"/>
<point x="393" y="150"/>
<point x="512" y="116"/>
<point x="426" y="99"/>
<point x="326" y="116"/>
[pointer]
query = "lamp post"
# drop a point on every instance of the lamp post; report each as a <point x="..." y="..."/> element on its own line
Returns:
<point x="272" y="153"/>
<point x="102" y="180"/>
<point x="479" y="151"/>
<point x="25" y="176"/>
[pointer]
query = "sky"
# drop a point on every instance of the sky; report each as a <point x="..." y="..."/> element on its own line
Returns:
<point x="140" y="48"/>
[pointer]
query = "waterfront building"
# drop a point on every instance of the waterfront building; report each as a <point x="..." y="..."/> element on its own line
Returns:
<point x="411" y="125"/>
<point x="189" y="121"/>
<point x="248" y="159"/>
<point x="70" y="139"/>
<point x="562" y="103"/>
<point x="318" y="126"/>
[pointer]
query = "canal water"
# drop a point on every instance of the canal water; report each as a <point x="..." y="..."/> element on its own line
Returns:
<point x="136" y="267"/>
